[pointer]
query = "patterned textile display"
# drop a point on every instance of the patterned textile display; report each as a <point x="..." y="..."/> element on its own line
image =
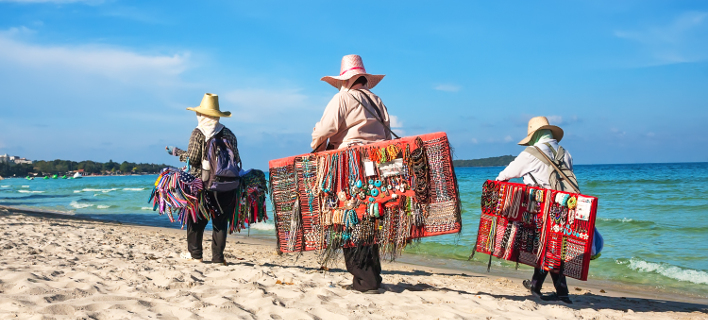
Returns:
<point x="178" y="191"/>
<point x="537" y="227"/>
<point x="387" y="193"/>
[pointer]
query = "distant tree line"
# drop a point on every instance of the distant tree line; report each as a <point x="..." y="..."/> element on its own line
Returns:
<point x="502" y="161"/>
<point x="90" y="167"/>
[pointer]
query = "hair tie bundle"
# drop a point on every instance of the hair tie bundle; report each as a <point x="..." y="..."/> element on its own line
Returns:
<point x="178" y="191"/>
<point x="572" y="202"/>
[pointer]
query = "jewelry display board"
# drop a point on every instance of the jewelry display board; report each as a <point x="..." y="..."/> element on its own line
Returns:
<point x="537" y="227"/>
<point x="385" y="193"/>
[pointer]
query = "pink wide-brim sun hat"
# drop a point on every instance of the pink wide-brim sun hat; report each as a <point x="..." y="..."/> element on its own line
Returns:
<point x="352" y="65"/>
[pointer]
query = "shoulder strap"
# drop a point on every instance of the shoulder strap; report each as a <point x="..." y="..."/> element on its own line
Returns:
<point x="561" y="154"/>
<point x="555" y="154"/>
<point x="538" y="154"/>
<point x="377" y="115"/>
<point x="534" y="179"/>
<point x="558" y="170"/>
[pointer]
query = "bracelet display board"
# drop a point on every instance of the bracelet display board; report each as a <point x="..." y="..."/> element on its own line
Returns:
<point x="384" y="193"/>
<point x="537" y="227"/>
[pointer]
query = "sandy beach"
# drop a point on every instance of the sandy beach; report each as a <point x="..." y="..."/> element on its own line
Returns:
<point x="60" y="267"/>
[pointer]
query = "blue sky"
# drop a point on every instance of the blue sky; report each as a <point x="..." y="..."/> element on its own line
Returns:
<point x="100" y="80"/>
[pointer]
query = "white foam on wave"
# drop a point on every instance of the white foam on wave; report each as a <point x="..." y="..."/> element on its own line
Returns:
<point x="101" y="206"/>
<point x="5" y="186"/>
<point x="25" y="186"/>
<point x="623" y="220"/>
<point x="263" y="226"/>
<point x="669" y="271"/>
<point x="30" y="191"/>
<point x="78" y="205"/>
<point x="133" y="189"/>
<point x="98" y="190"/>
<point x="145" y="208"/>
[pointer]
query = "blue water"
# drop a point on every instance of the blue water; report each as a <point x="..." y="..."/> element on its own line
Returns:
<point x="654" y="217"/>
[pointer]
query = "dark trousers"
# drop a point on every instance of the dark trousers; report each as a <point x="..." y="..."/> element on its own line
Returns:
<point x="220" y="226"/>
<point x="539" y="275"/>
<point x="364" y="264"/>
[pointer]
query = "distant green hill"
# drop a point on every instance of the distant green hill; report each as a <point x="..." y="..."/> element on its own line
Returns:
<point x="502" y="161"/>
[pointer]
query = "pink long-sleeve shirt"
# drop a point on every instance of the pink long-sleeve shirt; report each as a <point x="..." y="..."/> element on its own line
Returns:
<point x="345" y="122"/>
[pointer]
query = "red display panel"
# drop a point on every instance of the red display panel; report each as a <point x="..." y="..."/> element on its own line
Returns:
<point x="410" y="192"/>
<point x="537" y="227"/>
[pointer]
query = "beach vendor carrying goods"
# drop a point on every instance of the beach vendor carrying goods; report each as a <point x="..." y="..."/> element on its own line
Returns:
<point x="384" y="193"/>
<point x="537" y="227"/>
<point x="180" y="192"/>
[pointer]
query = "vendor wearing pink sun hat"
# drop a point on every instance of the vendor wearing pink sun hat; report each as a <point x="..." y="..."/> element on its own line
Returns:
<point x="355" y="116"/>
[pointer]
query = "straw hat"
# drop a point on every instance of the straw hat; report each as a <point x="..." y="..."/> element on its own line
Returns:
<point x="540" y="123"/>
<point x="210" y="106"/>
<point x="352" y="66"/>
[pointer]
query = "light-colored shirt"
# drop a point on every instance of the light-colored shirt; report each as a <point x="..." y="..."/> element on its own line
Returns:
<point x="345" y="122"/>
<point x="526" y="165"/>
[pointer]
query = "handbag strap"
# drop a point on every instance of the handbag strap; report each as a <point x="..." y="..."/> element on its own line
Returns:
<point x="376" y="115"/>
<point x="557" y="169"/>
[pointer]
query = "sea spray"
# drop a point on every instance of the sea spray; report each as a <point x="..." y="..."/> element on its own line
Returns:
<point x="77" y="205"/>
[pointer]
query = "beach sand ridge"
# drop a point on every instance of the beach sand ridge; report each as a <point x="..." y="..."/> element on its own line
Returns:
<point x="64" y="268"/>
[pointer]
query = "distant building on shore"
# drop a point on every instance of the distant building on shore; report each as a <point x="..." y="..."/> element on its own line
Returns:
<point x="14" y="159"/>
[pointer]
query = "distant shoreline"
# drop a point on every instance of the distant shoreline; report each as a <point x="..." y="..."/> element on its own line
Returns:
<point x="501" y="161"/>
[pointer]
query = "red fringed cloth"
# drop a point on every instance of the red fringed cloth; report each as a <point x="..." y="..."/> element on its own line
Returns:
<point x="537" y="227"/>
<point x="388" y="193"/>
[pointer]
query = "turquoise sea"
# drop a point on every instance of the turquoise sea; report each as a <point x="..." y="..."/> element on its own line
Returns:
<point x="653" y="217"/>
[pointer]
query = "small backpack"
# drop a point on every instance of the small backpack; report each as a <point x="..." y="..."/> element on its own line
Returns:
<point x="225" y="165"/>
<point x="561" y="177"/>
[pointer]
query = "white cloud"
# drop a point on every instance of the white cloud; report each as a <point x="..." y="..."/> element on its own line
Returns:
<point x="115" y="63"/>
<point x="508" y="139"/>
<point x="555" y="120"/>
<point x="266" y="105"/>
<point x="447" y="87"/>
<point x="474" y="141"/>
<point x="395" y="123"/>
<point x="618" y="132"/>
<point x="682" y="40"/>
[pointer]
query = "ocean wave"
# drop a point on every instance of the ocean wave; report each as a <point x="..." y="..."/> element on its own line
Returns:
<point x="30" y="191"/>
<point x="145" y="208"/>
<point x="261" y="226"/>
<point x="78" y="205"/>
<point x="623" y="220"/>
<point x="97" y="190"/>
<point x="101" y="206"/>
<point x="629" y="222"/>
<point x="5" y="186"/>
<point x="667" y="270"/>
<point x="25" y="186"/>
<point x="133" y="189"/>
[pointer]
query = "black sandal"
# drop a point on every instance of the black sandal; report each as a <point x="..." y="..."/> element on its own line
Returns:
<point x="556" y="297"/>
<point x="528" y="285"/>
